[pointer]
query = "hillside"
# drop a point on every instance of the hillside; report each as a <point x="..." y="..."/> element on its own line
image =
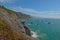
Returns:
<point x="19" y="14"/>
<point x="11" y="27"/>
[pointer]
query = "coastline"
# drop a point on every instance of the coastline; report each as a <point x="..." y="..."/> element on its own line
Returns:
<point x="33" y="34"/>
<point x="11" y="26"/>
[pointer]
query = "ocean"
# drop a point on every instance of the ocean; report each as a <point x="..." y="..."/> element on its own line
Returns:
<point x="44" y="28"/>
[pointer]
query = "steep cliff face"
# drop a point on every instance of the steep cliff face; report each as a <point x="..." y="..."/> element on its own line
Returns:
<point x="11" y="27"/>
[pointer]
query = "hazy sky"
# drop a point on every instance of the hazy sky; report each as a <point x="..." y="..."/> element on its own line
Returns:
<point x="39" y="8"/>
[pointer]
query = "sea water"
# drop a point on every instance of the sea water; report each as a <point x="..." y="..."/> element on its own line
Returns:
<point x="44" y="28"/>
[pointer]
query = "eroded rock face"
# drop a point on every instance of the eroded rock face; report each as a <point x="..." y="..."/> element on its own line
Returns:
<point x="11" y="27"/>
<point x="27" y="30"/>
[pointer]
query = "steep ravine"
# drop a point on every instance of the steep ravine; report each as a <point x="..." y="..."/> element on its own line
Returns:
<point x="11" y="27"/>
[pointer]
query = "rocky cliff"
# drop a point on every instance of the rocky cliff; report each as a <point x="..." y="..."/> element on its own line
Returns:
<point x="11" y="27"/>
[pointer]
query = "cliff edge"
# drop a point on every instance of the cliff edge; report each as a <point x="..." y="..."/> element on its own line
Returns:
<point x="11" y="27"/>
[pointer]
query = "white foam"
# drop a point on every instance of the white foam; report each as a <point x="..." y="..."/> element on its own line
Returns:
<point x="34" y="34"/>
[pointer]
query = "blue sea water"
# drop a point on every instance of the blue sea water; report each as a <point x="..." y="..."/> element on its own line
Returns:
<point x="47" y="29"/>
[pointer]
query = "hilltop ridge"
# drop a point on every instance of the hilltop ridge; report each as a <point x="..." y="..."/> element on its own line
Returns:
<point x="19" y="14"/>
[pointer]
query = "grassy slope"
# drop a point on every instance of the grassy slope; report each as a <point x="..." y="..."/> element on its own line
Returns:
<point x="6" y="32"/>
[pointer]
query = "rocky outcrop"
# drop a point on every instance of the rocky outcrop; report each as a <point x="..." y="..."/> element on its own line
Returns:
<point x="22" y="16"/>
<point x="11" y="27"/>
<point x="27" y="30"/>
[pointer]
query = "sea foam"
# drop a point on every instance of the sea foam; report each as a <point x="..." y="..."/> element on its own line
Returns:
<point x="34" y="34"/>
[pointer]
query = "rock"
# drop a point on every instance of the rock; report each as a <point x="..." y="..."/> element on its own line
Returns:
<point x="49" y="22"/>
<point x="27" y="30"/>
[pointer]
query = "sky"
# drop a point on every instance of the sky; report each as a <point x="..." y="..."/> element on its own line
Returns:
<point x="38" y="8"/>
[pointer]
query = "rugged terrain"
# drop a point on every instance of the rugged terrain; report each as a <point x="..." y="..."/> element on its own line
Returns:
<point x="11" y="27"/>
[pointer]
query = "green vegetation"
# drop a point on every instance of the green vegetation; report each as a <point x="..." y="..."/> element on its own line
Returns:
<point x="9" y="11"/>
<point x="5" y="29"/>
<point x="0" y="12"/>
<point x="2" y="23"/>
